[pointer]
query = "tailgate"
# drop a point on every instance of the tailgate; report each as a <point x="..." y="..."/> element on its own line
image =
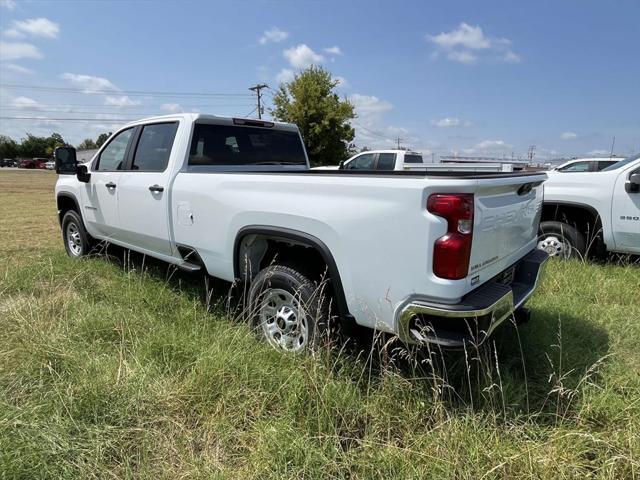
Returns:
<point x="506" y="218"/>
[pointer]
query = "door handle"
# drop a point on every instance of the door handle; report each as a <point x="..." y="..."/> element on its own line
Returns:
<point x="110" y="185"/>
<point x="156" y="188"/>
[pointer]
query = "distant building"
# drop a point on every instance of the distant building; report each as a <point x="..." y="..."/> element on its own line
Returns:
<point x="84" y="156"/>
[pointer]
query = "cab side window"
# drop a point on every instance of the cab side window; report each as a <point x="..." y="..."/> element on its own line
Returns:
<point x="577" y="167"/>
<point x="113" y="156"/>
<point x="362" y="162"/>
<point x="386" y="161"/>
<point x="154" y="147"/>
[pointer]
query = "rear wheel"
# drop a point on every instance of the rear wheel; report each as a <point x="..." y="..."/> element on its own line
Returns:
<point x="77" y="241"/>
<point x="287" y="309"/>
<point x="561" y="240"/>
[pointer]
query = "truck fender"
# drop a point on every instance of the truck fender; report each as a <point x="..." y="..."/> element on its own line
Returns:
<point x="300" y="238"/>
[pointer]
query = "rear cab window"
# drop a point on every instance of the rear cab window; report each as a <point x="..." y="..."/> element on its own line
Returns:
<point x="236" y="145"/>
<point x="413" y="158"/>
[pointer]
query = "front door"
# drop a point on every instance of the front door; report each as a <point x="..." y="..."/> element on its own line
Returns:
<point x="100" y="205"/>
<point x="143" y="191"/>
<point x="625" y="213"/>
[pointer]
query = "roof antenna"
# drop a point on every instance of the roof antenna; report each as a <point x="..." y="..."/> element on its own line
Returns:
<point x="612" y="145"/>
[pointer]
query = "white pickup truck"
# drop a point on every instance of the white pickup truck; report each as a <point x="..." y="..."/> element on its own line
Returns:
<point x="589" y="212"/>
<point x="408" y="160"/>
<point x="429" y="257"/>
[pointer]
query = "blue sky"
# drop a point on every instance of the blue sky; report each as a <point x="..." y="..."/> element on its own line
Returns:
<point x="468" y="77"/>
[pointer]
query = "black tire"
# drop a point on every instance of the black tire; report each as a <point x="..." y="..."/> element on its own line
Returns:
<point x="77" y="242"/>
<point x="570" y="243"/>
<point x="300" y="321"/>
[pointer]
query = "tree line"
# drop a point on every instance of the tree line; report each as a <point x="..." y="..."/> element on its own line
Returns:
<point x="309" y="100"/>
<point x="33" y="146"/>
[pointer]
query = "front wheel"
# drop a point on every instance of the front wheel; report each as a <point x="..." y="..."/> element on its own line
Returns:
<point x="561" y="240"/>
<point x="77" y="241"/>
<point x="287" y="309"/>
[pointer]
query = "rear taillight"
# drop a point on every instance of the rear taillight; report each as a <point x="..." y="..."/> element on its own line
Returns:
<point x="451" y="252"/>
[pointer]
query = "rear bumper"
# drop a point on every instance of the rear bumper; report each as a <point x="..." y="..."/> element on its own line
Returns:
<point x="478" y="314"/>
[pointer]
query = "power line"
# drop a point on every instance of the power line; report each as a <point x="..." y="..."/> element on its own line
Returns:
<point x="44" y="110"/>
<point x="257" y="88"/>
<point x="254" y="109"/>
<point x="116" y="92"/>
<point x="46" y="119"/>
<point x="374" y="133"/>
<point x="102" y="105"/>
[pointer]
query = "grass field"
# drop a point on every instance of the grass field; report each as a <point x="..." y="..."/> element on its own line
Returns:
<point x="108" y="370"/>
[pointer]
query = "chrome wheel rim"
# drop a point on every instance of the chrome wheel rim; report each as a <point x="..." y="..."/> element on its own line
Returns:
<point x="74" y="240"/>
<point x="283" y="320"/>
<point x="555" y="246"/>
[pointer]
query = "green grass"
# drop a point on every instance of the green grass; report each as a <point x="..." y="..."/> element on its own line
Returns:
<point x="112" y="372"/>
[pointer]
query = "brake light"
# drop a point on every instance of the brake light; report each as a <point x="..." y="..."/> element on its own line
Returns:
<point x="452" y="251"/>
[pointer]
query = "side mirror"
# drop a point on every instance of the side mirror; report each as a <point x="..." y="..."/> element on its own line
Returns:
<point x="633" y="185"/>
<point x="341" y="165"/>
<point x="82" y="172"/>
<point x="66" y="163"/>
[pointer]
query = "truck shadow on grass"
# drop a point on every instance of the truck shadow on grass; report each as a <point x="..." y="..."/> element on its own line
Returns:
<point x="539" y="369"/>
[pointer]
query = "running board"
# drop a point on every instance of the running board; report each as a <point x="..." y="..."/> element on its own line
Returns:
<point x="189" y="267"/>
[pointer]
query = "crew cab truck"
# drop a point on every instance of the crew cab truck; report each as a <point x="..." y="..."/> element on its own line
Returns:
<point x="592" y="212"/>
<point x="236" y="198"/>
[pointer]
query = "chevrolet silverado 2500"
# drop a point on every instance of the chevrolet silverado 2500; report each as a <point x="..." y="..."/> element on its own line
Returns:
<point x="598" y="209"/>
<point x="401" y="250"/>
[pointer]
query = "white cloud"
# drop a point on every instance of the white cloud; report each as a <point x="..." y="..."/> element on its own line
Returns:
<point x="171" y="107"/>
<point x="465" y="57"/>
<point x="8" y="4"/>
<point x="12" y="67"/>
<point x="35" y="27"/>
<point x="598" y="153"/>
<point x="492" y="145"/>
<point x="369" y="124"/>
<point x="17" y="50"/>
<point x="26" y="103"/>
<point x="569" y="136"/>
<point x="449" y="122"/>
<point x="342" y="82"/>
<point x="121" y="101"/>
<point x="89" y="83"/>
<point x="285" y="75"/>
<point x="335" y="50"/>
<point x="465" y="44"/>
<point x="511" y="57"/>
<point x="273" y="35"/>
<point x="369" y="108"/>
<point x="465" y="36"/>
<point x="302" y="56"/>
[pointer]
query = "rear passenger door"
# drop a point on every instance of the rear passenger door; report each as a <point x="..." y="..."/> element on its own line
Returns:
<point x="386" y="161"/>
<point x="143" y="190"/>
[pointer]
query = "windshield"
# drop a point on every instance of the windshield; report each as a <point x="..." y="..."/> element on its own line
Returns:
<point x="621" y="163"/>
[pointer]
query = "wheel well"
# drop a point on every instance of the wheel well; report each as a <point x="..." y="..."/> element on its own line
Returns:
<point x="256" y="249"/>
<point x="583" y="218"/>
<point x="66" y="203"/>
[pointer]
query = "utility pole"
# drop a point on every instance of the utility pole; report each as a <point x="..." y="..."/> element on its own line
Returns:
<point x="613" y="144"/>
<point x="257" y="88"/>
<point x="531" y="153"/>
<point x="399" y="140"/>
